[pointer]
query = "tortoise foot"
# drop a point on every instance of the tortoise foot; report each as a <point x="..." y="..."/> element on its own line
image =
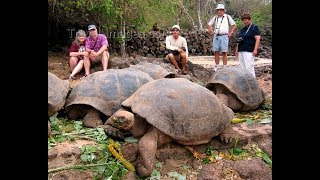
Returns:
<point x="228" y="135"/>
<point x="113" y="132"/>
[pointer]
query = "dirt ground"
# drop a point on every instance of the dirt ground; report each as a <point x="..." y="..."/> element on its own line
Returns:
<point x="175" y="157"/>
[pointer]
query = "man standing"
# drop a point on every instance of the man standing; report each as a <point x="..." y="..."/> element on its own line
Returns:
<point x="97" y="47"/>
<point x="221" y="34"/>
<point x="177" y="49"/>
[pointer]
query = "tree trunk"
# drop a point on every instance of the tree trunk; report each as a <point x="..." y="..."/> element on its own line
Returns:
<point x="197" y="3"/>
<point x="123" y="39"/>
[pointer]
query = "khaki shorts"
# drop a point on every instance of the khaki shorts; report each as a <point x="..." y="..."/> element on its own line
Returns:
<point x="176" y="57"/>
<point x="98" y="58"/>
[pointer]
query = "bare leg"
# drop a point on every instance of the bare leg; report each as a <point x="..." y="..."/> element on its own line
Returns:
<point x="73" y="61"/>
<point x="77" y="69"/>
<point x="216" y="57"/>
<point x="87" y="64"/>
<point x="173" y="61"/>
<point x="224" y="58"/>
<point x="183" y="57"/>
<point x="104" y="60"/>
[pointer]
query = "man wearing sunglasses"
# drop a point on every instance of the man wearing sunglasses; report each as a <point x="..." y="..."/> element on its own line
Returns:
<point x="177" y="49"/>
<point x="221" y="34"/>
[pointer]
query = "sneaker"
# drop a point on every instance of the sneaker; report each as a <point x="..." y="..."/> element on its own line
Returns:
<point x="72" y="78"/>
<point x="216" y="67"/>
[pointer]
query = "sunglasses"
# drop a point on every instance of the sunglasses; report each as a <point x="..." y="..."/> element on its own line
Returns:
<point x="175" y="30"/>
<point x="220" y="9"/>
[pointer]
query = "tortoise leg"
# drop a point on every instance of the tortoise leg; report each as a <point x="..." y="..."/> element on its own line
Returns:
<point x="92" y="118"/>
<point x="147" y="146"/>
<point x="228" y="135"/>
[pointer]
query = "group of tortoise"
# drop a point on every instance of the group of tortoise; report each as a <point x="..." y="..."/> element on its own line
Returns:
<point x="147" y="102"/>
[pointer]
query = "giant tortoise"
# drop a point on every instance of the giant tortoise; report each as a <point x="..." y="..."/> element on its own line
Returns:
<point x="57" y="92"/>
<point x="102" y="92"/>
<point x="154" y="70"/>
<point x="237" y="88"/>
<point x="166" y="110"/>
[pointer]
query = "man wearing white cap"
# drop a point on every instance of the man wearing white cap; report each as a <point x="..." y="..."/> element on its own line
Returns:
<point x="177" y="49"/>
<point x="221" y="34"/>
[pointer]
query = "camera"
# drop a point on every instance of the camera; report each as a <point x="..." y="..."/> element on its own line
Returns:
<point x="240" y="39"/>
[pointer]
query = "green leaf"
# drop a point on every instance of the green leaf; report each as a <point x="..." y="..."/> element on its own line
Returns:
<point x="185" y="167"/>
<point x="249" y="122"/>
<point x="84" y="157"/>
<point x="176" y="175"/>
<point x="158" y="165"/>
<point x="265" y="121"/>
<point x="155" y="175"/>
<point x="131" y="139"/>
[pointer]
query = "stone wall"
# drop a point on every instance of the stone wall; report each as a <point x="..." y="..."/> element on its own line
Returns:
<point x="152" y="44"/>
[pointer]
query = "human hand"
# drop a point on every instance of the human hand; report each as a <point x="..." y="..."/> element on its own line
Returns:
<point x="85" y="53"/>
<point x="255" y="52"/>
<point x="93" y="53"/>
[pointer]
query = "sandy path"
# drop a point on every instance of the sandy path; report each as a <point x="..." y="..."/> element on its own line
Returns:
<point x="208" y="61"/>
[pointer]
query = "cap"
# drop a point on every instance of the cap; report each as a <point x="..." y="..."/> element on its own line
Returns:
<point x="91" y="27"/>
<point x="220" y="6"/>
<point x="176" y="27"/>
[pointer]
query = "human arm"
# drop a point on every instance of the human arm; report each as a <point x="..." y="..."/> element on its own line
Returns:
<point x="186" y="47"/>
<point x="74" y="51"/>
<point x="78" y="53"/>
<point x="88" y="48"/>
<point x="211" y="32"/>
<point x="256" y="45"/>
<point x="233" y="26"/>
<point x="103" y="48"/>
<point x="104" y="43"/>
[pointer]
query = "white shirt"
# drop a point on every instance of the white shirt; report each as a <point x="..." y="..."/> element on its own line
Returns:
<point x="221" y="25"/>
<point x="174" y="44"/>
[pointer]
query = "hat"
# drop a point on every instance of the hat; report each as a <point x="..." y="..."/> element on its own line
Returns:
<point x="176" y="26"/>
<point x="220" y="6"/>
<point x="91" y="27"/>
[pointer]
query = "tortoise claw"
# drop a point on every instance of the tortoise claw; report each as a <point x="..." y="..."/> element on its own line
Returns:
<point x="113" y="132"/>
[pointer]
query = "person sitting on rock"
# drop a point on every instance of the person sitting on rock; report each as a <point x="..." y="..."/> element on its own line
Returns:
<point x="97" y="47"/>
<point x="77" y="53"/>
<point x="177" y="49"/>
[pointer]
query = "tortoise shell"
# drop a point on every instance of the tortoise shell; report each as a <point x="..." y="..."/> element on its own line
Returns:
<point x="187" y="112"/>
<point x="57" y="92"/>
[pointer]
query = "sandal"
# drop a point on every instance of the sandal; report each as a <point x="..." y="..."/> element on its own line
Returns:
<point x="179" y="71"/>
<point x="72" y="78"/>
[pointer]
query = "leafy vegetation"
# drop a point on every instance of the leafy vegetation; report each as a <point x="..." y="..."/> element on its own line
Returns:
<point x="96" y="158"/>
<point x="105" y="160"/>
<point x="143" y="15"/>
